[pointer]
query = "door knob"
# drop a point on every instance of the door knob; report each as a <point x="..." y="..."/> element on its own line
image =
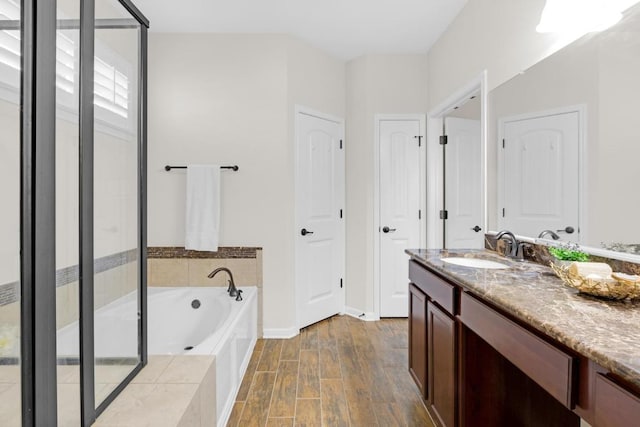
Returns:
<point x="476" y="228"/>
<point x="568" y="229"/>
<point x="386" y="229"/>
<point x="304" y="232"/>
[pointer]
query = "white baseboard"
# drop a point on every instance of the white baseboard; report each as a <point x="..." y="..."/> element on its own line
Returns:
<point x="359" y="314"/>
<point x="279" y="333"/>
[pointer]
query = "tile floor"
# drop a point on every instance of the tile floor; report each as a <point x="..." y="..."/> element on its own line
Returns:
<point x="107" y="379"/>
<point x="339" y="372"/>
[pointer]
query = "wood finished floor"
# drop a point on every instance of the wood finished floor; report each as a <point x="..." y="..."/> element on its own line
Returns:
<point x="338" y="372"/>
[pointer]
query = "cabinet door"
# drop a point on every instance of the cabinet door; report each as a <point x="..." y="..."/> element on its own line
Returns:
<point x="615" y="406"/>
<point x="442" y="363"/>
<point x="418" y="338"/>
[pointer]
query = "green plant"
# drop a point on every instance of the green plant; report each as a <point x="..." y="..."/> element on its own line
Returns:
<point x="568" y="252"/>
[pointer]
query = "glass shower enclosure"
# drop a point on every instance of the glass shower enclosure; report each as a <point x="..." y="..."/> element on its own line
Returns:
<point x="73" y="225"/>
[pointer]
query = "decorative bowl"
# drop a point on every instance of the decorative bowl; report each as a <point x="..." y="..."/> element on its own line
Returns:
<point x="610" y="288"/>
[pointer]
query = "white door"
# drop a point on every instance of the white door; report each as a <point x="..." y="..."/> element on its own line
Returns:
<point x="541" y="175"/>
<point x="463" y="180"/>
<point x="399" y="210"/>
<point x="319" y="219"/>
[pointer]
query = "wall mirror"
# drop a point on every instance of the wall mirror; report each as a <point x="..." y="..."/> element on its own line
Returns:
<point x="565" y="139"/>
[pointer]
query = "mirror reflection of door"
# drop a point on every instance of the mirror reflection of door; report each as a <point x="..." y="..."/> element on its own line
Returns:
<point x="540" y="163"/>
<point x="462" y="220"/>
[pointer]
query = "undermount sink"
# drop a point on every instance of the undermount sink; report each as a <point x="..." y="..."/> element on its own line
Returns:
<point x="475" y="262"/>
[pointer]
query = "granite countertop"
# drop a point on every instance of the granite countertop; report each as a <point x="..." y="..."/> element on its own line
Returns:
<point x="607" y="332"/>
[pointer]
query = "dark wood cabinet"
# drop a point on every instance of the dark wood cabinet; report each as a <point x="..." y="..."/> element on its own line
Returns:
<point x="614" y="406"/>
<point x="477" y="365"/>
<point x="552" y="368"/>
<point x="432" y="343"/>
<point x="418" y="338"/>
<point x="442" y="365"/>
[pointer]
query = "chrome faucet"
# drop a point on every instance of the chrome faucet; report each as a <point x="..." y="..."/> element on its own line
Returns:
<point x="233" y="291"/>
<point x="553" y="235"/>
<point x="514" y="245"/>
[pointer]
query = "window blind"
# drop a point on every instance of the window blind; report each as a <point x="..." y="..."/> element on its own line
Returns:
<point x="111" y="88"/>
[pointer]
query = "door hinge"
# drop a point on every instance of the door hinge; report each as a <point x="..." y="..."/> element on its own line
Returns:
<point x="340" y="213"/>
<point x="340" y="283"/>
<point x="419" y="138"/>
<point x="444" y="214"/>
<point x="503" y="142"/>
<point x="444" y="140"/>
<point x="502" y="212"/>
<point x="420" y="214"/>
<point x="341" y="144"/>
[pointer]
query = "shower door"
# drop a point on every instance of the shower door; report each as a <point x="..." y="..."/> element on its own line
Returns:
<point x="67" y="220"/>
<point x="116" y="205"/>
<point x="73" y="217"/>
<point x="10" y="284"/>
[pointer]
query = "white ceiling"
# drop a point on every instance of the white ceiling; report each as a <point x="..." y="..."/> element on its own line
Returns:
<point x="344" y="28"/>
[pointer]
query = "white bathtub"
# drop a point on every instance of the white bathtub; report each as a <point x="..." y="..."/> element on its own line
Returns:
<point x="220" y="326"/>
<point x="175" y="326"/>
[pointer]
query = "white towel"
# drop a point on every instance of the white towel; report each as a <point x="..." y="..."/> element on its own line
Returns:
<point x="203" y="207"/>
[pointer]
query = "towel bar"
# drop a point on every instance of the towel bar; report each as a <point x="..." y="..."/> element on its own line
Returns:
<point x="168" y="168"/>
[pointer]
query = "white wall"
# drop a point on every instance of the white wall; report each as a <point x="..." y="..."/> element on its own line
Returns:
<point x="228" y="99"/>
<point x="497" y="35"/>
<point x="376" y="84"/>
<point x="315" y="79"/>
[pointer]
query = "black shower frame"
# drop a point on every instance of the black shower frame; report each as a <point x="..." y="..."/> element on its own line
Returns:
<point x="37" y="208"/>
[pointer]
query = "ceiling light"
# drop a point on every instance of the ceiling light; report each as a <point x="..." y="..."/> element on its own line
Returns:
<point x="581" y="16"/>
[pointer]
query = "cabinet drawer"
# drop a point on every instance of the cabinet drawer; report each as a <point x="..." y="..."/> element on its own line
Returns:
<point x="615" y="406"/>
<point x="550" y="367"/>
<point x="436" y="288"/>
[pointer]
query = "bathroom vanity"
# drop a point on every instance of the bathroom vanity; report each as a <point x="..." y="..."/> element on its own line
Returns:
<point x="515" y="346"/>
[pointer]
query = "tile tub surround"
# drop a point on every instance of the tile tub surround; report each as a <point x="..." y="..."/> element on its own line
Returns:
<point x="604" y="331"/>
<point x="171" y="391"/>
<point x="175" y="266"/>
<point x="222" y="253"/>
